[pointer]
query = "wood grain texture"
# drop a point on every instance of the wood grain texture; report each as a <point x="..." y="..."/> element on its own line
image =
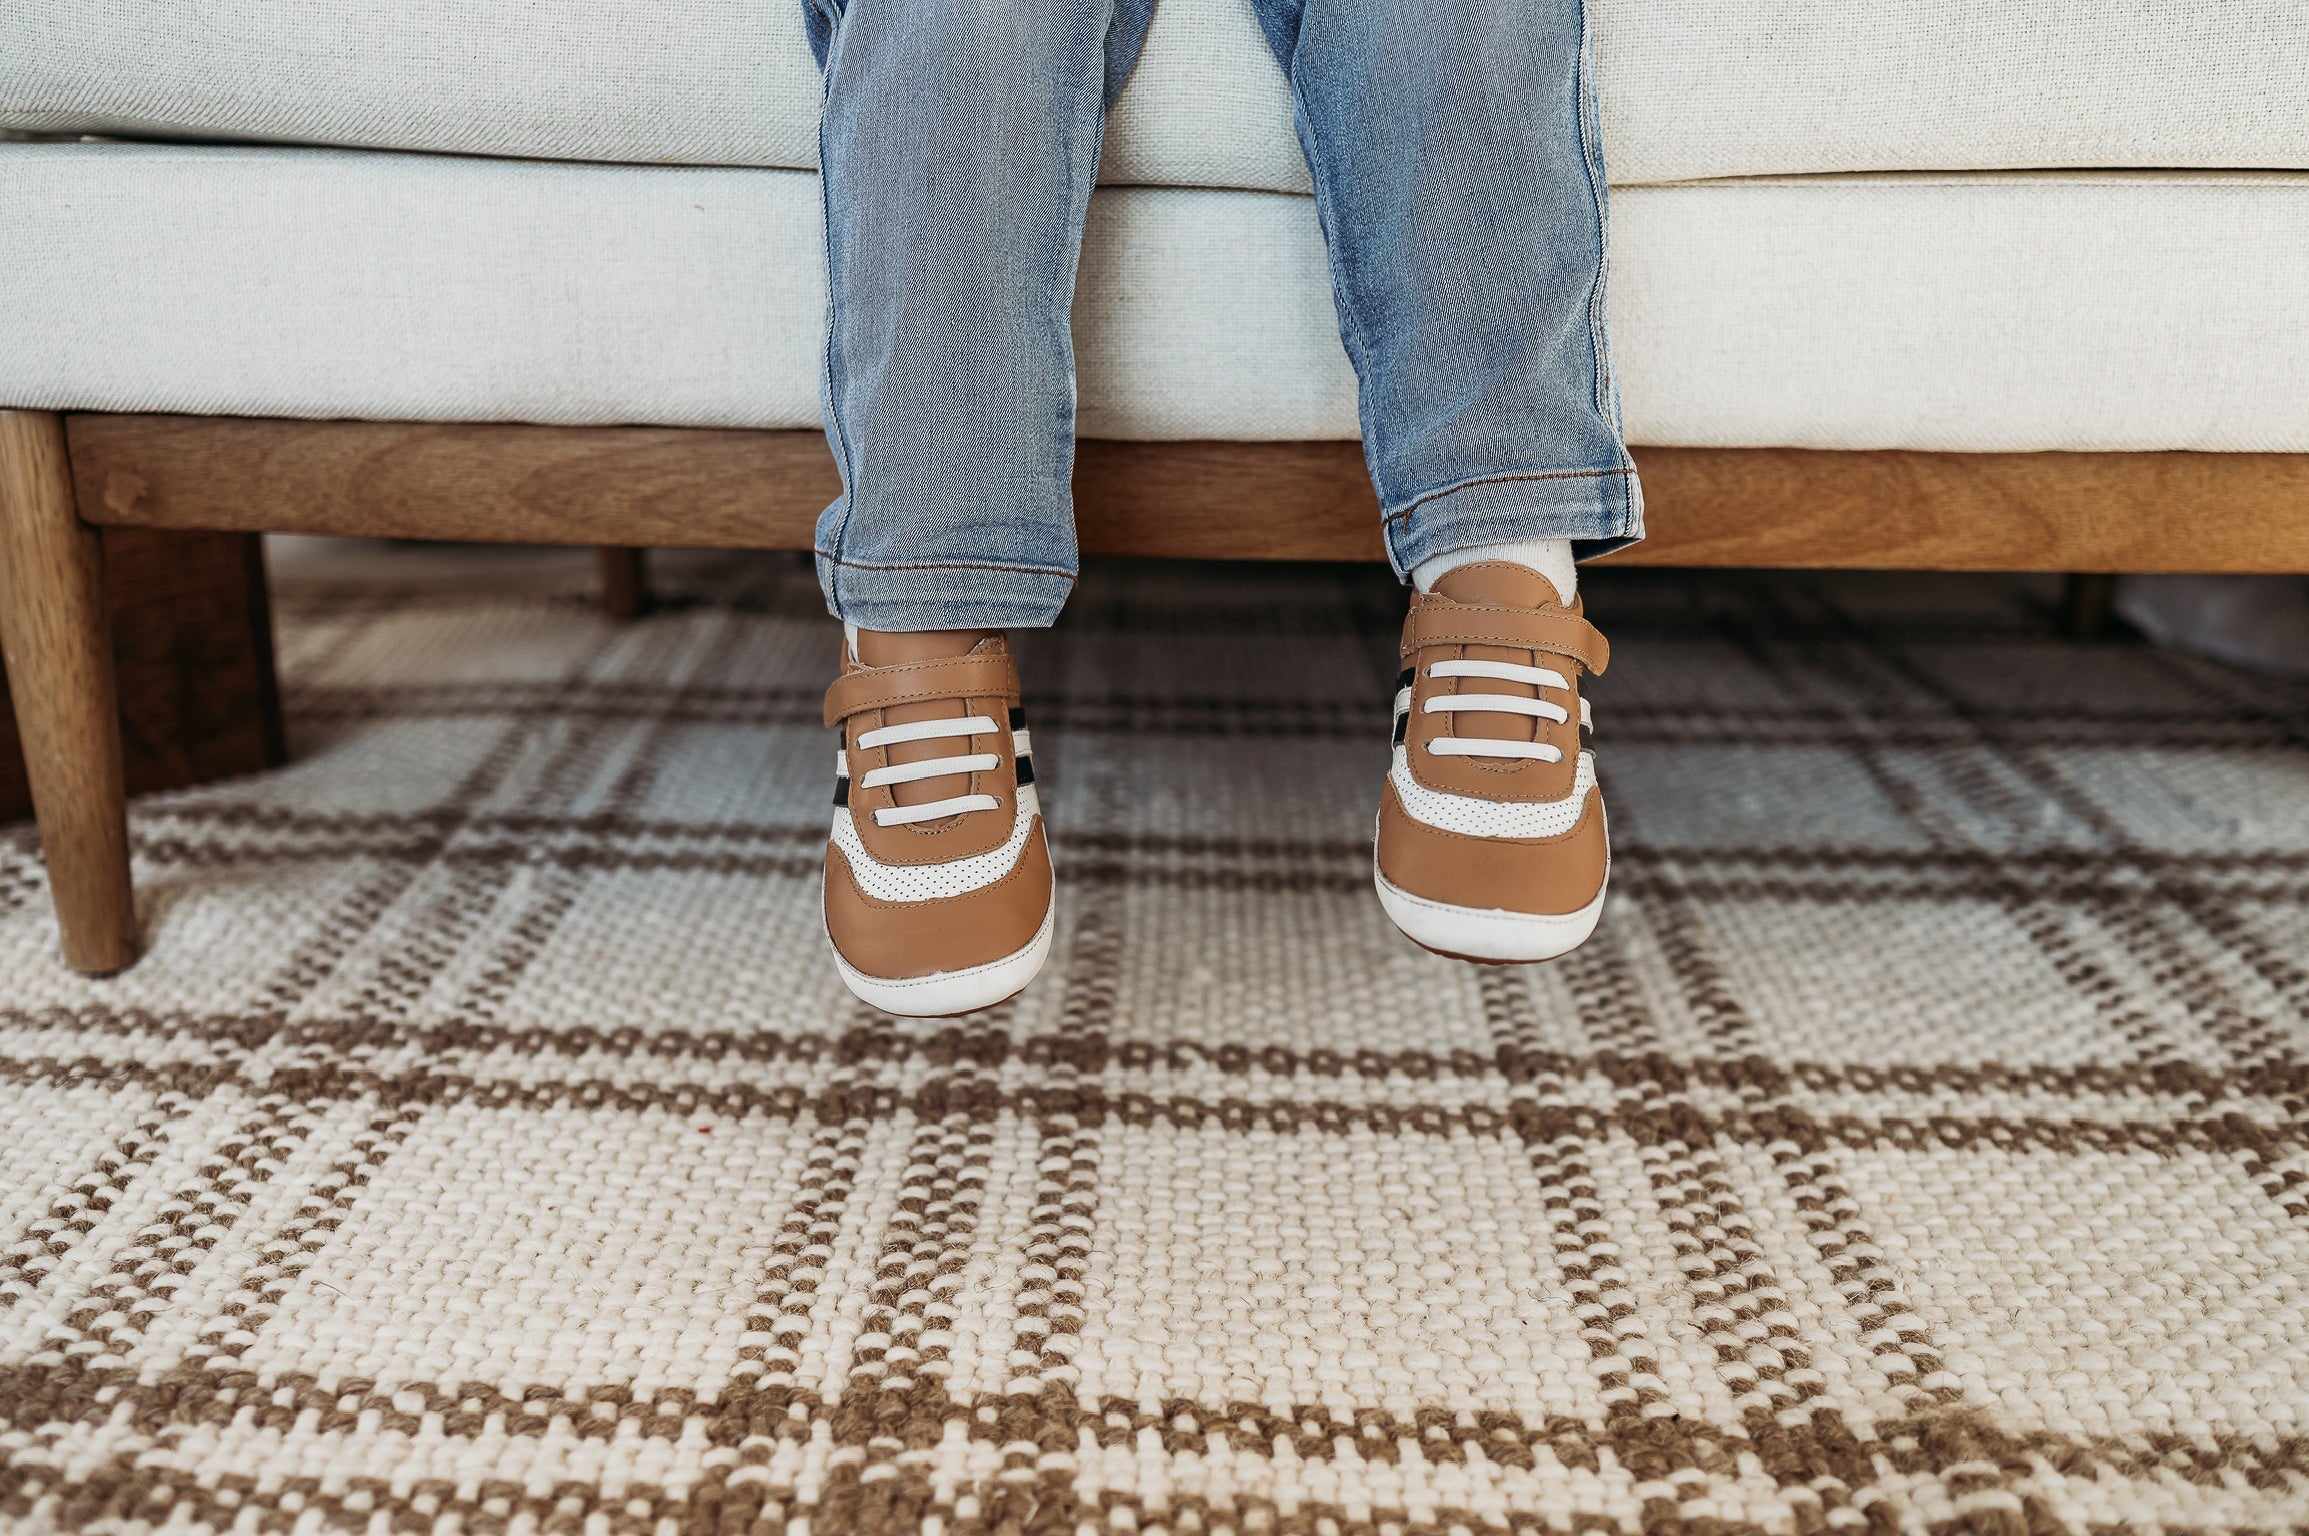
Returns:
<point x="59" y="658"/>
<point x="1310" y="501"/>
<point x="1226" y="501"/>
<point x="632" y="486"/>
<point x="2109" y="512"/>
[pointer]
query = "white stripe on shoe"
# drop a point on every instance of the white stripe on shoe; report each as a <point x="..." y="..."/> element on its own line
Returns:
<point x="1470" y="817"/>
<point x="936" y="882"/>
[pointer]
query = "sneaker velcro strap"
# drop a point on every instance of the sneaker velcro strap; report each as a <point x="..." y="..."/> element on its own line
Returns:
<point x="1440" y="621"/>
<point x="993" y="676"/>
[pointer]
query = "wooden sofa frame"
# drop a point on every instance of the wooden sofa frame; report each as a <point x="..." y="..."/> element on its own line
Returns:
<point x="62" y="477"/>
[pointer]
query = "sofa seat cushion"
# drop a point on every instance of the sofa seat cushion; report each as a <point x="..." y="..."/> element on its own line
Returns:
<point x="1690" y="88"/>
<point x="2018" y="311"/>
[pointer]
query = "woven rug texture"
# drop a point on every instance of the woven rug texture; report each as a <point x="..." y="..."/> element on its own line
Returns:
<point x="487" y="1144"/>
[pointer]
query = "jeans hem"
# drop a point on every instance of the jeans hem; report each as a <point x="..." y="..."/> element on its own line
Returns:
<point x="957" y="595"/>
<point x="1599" y="510"/>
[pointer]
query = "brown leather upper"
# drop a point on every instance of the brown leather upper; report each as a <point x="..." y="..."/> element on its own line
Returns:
<point x="899" y="679"/>
<point x="1497" y="611"/>
<point x="979" y="675"/>
<point x="1551" y="875"/>
<point x="1437" y="620"/>
<point x="898" y="940"/>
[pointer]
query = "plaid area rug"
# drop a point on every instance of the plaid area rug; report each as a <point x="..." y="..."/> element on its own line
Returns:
<point x="487" y="1144"/>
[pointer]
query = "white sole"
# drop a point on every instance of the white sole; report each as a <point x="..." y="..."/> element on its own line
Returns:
<point x="943" y="993"/>
<point x="1491" y="935"/>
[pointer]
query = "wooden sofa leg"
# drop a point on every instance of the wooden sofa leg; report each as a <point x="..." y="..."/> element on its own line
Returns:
<point x="624" y="581"/>
<point x="59" y="651"/>
<point x="2088" y="606"/>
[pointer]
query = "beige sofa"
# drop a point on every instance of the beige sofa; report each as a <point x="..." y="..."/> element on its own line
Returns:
<point x="2013" y="284"/>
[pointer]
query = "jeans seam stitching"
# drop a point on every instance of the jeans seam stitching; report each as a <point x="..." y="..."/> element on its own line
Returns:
<point x="1599" y="347"/>
<point x="840" y="439"/>
<point x="1598" y="303"/>
<point x="1466" y="485"/>
<point x="947" y="565"/>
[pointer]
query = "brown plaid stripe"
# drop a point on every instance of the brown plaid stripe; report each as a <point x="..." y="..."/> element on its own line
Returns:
<point x="1922" y="1144"/>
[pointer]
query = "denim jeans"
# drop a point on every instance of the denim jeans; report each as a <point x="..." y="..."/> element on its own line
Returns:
<point x="1459" y="182"/>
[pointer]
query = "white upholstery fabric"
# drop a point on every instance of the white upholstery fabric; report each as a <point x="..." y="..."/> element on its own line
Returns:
<point x="1974" y="313"/>
<point x="1690" y="88"/>
<point x="2060" y="310"/>
<point x="1694" y="88"/>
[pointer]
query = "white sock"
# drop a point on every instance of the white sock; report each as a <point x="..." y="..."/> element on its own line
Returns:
<point x="1550" y="557"/>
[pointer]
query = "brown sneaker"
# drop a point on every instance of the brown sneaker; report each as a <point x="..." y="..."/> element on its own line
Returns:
<point x="1491" y="838"/>
<point x="938" y="877"/>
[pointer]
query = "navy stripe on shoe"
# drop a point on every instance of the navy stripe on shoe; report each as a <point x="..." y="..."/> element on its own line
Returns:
<point x="1406" y="678"/>
<point x="1025" y="770"/>
<point x="841" y="789"/>
<point x="1017" y="718"/>
<point x="1402" y="726"/>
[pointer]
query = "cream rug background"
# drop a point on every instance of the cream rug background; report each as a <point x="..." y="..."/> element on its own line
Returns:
<point x="488" y="1145"/>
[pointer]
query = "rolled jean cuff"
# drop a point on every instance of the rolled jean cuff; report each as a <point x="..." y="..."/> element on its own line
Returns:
<point x="908" y="598"/>
<point x="1598" y="510"/>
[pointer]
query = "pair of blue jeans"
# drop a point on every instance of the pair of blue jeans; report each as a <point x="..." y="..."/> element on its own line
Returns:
<point x="1459" y="182"/>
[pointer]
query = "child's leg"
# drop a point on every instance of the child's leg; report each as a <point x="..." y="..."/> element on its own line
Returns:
<point x="958" y="145"/>
<point x="1454" y="151"/>
<point x="1456" y="167"/>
